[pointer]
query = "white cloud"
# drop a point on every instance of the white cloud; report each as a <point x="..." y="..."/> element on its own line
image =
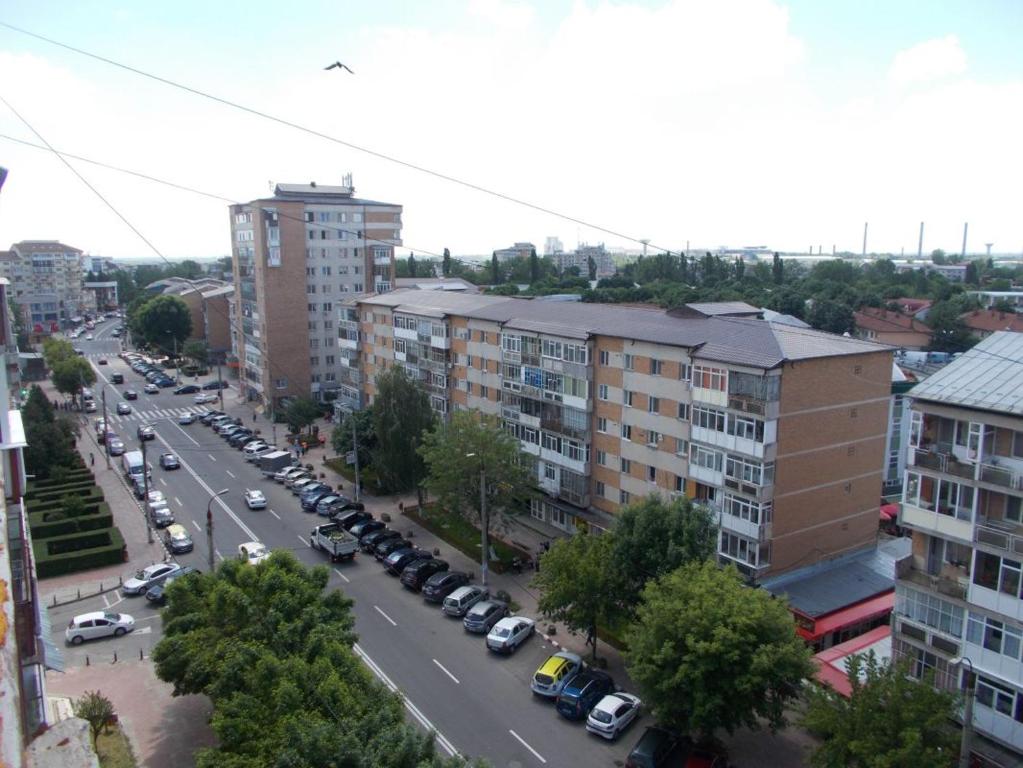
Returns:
<point x="928" y="61"/>
<point x="503" y="13"/>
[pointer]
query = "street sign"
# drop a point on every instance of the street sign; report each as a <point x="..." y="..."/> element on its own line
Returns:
<point x="350" y="457"/>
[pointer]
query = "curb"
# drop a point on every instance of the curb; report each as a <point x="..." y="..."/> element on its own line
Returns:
<point x="58" y="603"/>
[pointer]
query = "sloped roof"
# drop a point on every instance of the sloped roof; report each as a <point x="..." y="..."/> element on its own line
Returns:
<point x="888" y="321"/>
<point x="992" y="320"/>
<point x="988" y="377"/>
<point x="42" y="246"/>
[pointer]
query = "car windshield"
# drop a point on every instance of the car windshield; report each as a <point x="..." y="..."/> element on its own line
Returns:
<point x="543" y="679"/>
<point x="179" y="536"/>
<point x="601" y="716"/>
<point x="112" y="616"/>
<point x="502" y="632"/>
<point x="141" y="575"/>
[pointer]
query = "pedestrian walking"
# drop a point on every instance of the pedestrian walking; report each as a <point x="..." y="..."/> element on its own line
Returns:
<point x="92" y="459"/>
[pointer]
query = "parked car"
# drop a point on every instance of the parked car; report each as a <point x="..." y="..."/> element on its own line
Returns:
<point x="260" y="452"/>
<point x="160" y="514"/>
<point x="209" y="416"/>
<point x="238" y="438"/>
<point x="131" y="394"/>
<point x="225" y="431"/>
<point x="169" y="461"/>
<point x="177" y="539"/>
<point x="255" y="499"/>
<point x="459" y="602"/>
<point x="255" y="444"/>
<point x="90" y="406"/>
<point x="582" y="692"/>
<point x="508" y="634"/>
<point x="369" y="541"/>
<point x="164" y="382"/>
<point x="416" y="573"/>
<point x="204" y="397"/>
<point x="115" y="445"/>
<point x="482" y="617"/>
<point x="89" y="626"/>
<point x="440" y="585"/>
<point x="324" y="503"/>
<point x="613" y="714"/>
<point x="187" y="389"/>
<point x="298" y="486"/>
<point x="295" y="477"/>
<point x="385" y="548"/>
<point x="216" y="385"/>
<point x="400" y="559"/>
<point x="117" y="378"/>
<point x="554" y="673"/>
<point x="151" y="389"/>
<point x="158" y="594"/>
<point x="653" y="748"/>
<point x="350" y="517"/>
<point x="146" y="432"/>
<point x="366" y="526"/>
<point x="253" y="552"/>
<point x="147" y="577"/>
<point x="187" y="418"/>
<point x="312" y="494"/>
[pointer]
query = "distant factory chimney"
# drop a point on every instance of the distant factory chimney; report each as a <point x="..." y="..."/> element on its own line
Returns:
<point x="865" y="225"/>
<point x="966" y="228"/>
<point x="920" y="244"/>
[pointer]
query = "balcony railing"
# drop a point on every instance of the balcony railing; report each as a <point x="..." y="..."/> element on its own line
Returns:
<point x="747" y="405"/>
<point x="998" y="534"/>
<point x="941" y="461"/>
<point x="943" y="585"/>
<point x="1003" y="476"/>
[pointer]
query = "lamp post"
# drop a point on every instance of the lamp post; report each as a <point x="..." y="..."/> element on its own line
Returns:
<point x="209" y="528"/>
<point x="971" y="683"/>
<point x="484" y="543"/>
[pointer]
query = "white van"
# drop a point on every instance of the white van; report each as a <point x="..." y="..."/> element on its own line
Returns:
<point x="131" y="462"/>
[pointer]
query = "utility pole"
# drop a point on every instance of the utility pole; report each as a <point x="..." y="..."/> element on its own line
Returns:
<point x="220" y="385"/>
<point x="971" y="683"/>
<point x="209" y="529"/>
<point x="355" y="448"/>
<point x="106" y="442"/>
<point x="485" y="561"/>
<point x="145" y="489"/>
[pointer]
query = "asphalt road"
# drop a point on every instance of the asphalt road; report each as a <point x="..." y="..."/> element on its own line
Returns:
<point x="480" y="704"/>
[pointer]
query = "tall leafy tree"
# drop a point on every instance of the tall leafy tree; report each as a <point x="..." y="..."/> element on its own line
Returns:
<point x="412" y="265"/>
<point x="401" y="415"/>
<point x="57" y="350"/>
<point x="163" y="320"/>
<point x="445" y="264"/>
<point x="652" y="538"/>
<point x="740" y="269"/>
<point x="495" y="269"/>
<point x="949" y="332"/>
<point x="343" y="441"/>
<point x="471" y="444"/>
<point x="889" y="720"/>
<point x="534" y="266"/>
<point x="301" y="413"/>
<point x="72" y="375"/>
<point x="577" y="586"/>
<point x="196" y="351"/>
<point x="831" y="316"/>
<point x="711" y="654"/>
<point x="777" y="269"/>
<point x="591" y="267"/>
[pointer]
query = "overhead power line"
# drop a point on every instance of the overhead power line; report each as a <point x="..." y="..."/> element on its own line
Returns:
<point x="334" y="139"/>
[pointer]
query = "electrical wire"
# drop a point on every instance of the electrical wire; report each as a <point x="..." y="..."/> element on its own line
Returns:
<point x="327" y="137"/>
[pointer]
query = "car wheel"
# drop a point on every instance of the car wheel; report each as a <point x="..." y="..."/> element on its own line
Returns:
<point x="77" y="640"/>
<point x="119" y="631"/>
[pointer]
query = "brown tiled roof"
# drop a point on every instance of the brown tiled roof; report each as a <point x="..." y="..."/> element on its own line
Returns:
<point x="992" y="320"/>
<point x="912" y="306"/>
<point x="43" y="246"/>
<point x="887" y="321"/>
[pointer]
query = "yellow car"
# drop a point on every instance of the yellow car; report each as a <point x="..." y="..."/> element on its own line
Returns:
<point x="555" y="672"/>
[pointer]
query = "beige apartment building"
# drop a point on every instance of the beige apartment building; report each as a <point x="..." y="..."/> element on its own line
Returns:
<point x="46" y="282"/>
<point x="779" y="430"/>
<point x="296" y="256"/>
<point x="959" y="595"/>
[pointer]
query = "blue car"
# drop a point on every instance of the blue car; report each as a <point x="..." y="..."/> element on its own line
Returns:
<point x="582" y="693"/>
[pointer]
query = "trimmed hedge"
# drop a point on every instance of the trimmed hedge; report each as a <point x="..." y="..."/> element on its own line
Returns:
<point x="91" y="494"/>
<point x="60" y="513"/>
<point x="59" y="491"/>
<point x="94" y="521"/>
<point x="78" y="552"/>
<point x="71" y="476"/>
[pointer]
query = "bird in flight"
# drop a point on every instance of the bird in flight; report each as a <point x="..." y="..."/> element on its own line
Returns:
<point x="339" y="65"/>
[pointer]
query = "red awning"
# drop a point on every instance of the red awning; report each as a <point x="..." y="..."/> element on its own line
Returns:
<point x="889" y="511"/>
<point x="874" y="607"/>
<point x="830" y="663"/>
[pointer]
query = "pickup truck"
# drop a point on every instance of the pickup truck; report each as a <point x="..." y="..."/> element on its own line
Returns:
<point x="272" y="463"/>
<point x="333" y="539"/>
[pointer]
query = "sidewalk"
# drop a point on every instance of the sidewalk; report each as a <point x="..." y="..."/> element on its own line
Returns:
<point x="128" y="517"/>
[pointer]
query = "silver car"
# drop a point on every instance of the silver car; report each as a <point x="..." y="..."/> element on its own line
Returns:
<point x="484" y="615"/>
<point x="147" y="577"/>
<point x="88" y="626"/>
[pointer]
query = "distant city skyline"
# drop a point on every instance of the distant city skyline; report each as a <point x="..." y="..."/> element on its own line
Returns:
<point x="750" y="121"/>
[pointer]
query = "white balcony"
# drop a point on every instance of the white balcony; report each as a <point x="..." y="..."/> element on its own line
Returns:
<point x="553" y="457"/>
<point x="757" y="531"/>
<point x="440" y="342"/>
<point x="933" y="522"/>
<point x="727" y="442"/>
<point x="991" y="663"/>
<point x="711" y="396"/>
<point x="382" y="261"/>
<point x="994" y="600"/>
<point x="344" y="343"/>
<point x="1001" y="727"/>
<point x="406" y="333"/>
<point x="707" y="476"/>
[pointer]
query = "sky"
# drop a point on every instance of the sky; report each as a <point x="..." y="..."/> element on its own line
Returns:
<point x="701" y="122"/>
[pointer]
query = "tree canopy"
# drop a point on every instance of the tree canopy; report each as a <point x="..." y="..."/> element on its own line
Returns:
<point x="57" y="350"/>
<point x="342" y="440"/>
<point x="273" y="651"/>
<point x="163" y="320"/>
<point x="50" y="439"/>
<point x="890" y="720"/>
<point x="72" y="374"/>
<point x="401" y="415"/>
<point x="711" y="654"/>
<point x="457" y="451"/>
<point x="301" y="413"/>
<point x="196" y="351"/>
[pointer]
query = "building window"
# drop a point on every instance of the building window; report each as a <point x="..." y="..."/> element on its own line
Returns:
<point x="601" y="424"/>
<point x="484" y="392"/>
<point x="653" y="404"/>
<point x="656" y="366"/>
<point x="626" y="466"/>
<point x="683" y="411"/>
<point x="626" y="432"/>
<point x="627" y="397"/>
<point x="997" y="636"/>
<point x="314" y="360"/>
<point x="601" y="489"/>
<point x="706" y="458"/>
<point x="602" y="391"/>
<point x="685" y="372"/>
<point x="630" y="362"/>
<point x="706" y="377"/>
<point x="930" y="610"/>
<point x="653" y="439"/>
<point x="1001" y="698"/>
<point x="624" y="497"/>
<point x="708" y="418"/>
<point x="602" y="458"/>
<point x="681" y="447"/>
<point x="281" y="383"/>
<point x="605" y="357"/>
<point x="997" y="573"/>
<point x="651" y="474"/>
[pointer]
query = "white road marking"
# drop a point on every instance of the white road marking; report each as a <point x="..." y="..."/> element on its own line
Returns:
<point x="212" y="457"/>
<point x="393" y="622"/>
<point x="275" y="514"/>
<point x="343" y="577"/>
<point x="142" y="631"/>
<point x="177" y="501"/>
<point x="230" y="473"/>
<point x="442" y="669"/>
<point x="106" y="602"/>
<point x="522" y="741"/>
<point x="217" y="552"/>
<point x="197" y="526"/>
<point x="446" y="745"/>
<point x="194" y="441"/>
<point x="163" y="481"/>
<point x="304" y="542"/>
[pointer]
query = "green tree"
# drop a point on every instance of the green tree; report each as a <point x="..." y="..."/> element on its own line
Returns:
<point x="777" y="269"/>
<point x="197" y="351"/>
<point x="50" y="447"/>
<point x="37" y="408"/>
<point x="653" y="538"/>
<point x="57" y="351"/>
<point x="401" y="415"/>
<point x="301" y="413"/>
<point x="495" y="269"/>
<point x="740" y="269"/>
<point x="948" y="331"/>
<point x="412" y="265"/>
<point x="468" y="445"/>
<point x="831" y="316"/>
<point x="972" y="274"/>
<point x="96" y="709"/>
<point x="445" y="264"/>
<point x="534" y="266"/>
<point x="577" y="586"/>
<point x="126" y="288"/>
<point x="938" y="256"/>
<point x="709" y="653"/>
<point x="163" y="320"/>
<point x="591" y="268"/>
<point x="71" y="375"/>
<point x="342" y="441"/>
<point x="890" y="720"/>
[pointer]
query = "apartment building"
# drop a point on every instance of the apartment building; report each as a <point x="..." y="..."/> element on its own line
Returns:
<point x="46" y="280"/>
<point x="960" y="593"/>
<point x="779" y="430"/>
<point x="581" y="256"/>
<point x="297" y="256"/>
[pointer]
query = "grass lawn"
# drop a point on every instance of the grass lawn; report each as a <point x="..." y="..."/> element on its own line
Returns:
<point x="463" y="535"/>
<point x="367" y="476"/>
<point x="113" y="749"/>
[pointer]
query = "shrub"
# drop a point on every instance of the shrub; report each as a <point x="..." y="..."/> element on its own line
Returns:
<point x="107" y="549"/>
<point x="51" y="527"/>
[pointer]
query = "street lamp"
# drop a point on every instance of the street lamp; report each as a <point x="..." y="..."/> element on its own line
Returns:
<point x="484" y="543"/>
<point x="209" y="527"/>
<point x="971" y="683"/>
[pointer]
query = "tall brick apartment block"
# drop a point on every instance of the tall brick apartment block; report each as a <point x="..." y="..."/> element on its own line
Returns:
<point x="296" y="256"/>
<point x="960" y="593"/>
<point x="779" y="430"/>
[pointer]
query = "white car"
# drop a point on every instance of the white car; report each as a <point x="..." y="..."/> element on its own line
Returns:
<point x="147" y="577"/>
<point x="508" y="634"/>
<point x="252" y="447"/>
<point x="156" y="496"/>
<point x="187" y="418"/>
<point x="253" y="552"/>
<point x="298" y="485"/>
<point x="88" y="337"/>
<point x="255" y="500"/>
<point x="612" y="714"/>
<point x="205" y="397"/>
<point x="88" y="626"/>
<point x="151" y="389"/>
<point x="260" y="452"/>
<point x="287" y="472"/>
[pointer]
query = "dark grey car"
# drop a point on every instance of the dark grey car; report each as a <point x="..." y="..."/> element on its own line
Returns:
<point x="484" y="615"/>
